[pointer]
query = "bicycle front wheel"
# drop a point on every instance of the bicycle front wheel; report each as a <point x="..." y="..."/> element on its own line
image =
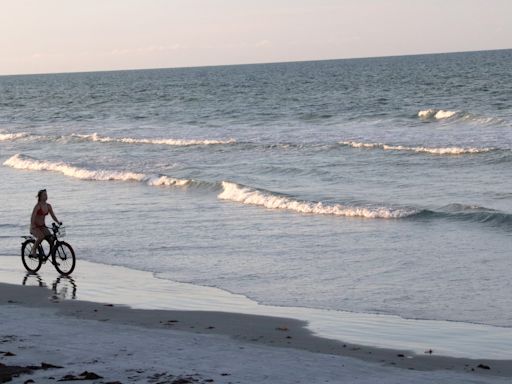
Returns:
<point x="31" y="263"/>
<point x="64" y="258"/>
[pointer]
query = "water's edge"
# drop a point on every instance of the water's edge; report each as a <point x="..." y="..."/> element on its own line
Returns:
<point x="142" y="290"/>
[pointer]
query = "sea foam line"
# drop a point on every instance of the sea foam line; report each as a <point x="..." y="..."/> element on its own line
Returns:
<point x="418" y="149"/>
<point x="247" y="195"/>
<point x="19" y="161"/>
<point x="441" y="114"/>
<point x="13" y="136"/>
<point x="173" y="142"/>
<point x="251" y="196"/>
<point x="230" y="191"/>
<point x="472" y="213"/>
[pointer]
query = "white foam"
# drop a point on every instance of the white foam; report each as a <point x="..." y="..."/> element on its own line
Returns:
<point x="173" y="142"/>
<point x="245" y="195"/>
<point x="12" y="136"/>
<point x="356" y="144"/>
<point x="419" y="149"/>
<point x="436" y="114"/>
<point x="19" y="161"/>
<point x="444" y="114"/>
<point x="427" y="113"/>
<point x="168" y="181"/>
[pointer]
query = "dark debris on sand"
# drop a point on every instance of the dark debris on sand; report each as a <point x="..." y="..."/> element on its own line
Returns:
<point x="83" y="376"/>
<point x="8" y="372"/>
<point x="165" y="378"/>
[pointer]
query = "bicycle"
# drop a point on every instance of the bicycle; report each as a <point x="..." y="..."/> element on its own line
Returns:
<point x="62" y="254"/>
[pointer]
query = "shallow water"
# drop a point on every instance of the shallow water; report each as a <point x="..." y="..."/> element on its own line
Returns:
<point x="373" y="186"/>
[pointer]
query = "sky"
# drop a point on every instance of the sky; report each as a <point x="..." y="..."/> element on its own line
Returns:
<point x="47" y="36"/>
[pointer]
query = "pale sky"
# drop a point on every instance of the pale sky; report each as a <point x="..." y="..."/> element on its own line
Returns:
<point x="43" y="36"/>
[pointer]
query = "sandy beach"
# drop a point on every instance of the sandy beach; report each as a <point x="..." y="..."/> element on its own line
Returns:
<point x="246" y="192"/>
<point x="43" y="325"/>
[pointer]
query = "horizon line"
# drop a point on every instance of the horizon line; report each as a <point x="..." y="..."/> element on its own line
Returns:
<point x="255" y="63"/>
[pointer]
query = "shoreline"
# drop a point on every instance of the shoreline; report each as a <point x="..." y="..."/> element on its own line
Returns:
<point x="248" y="329"/>
<point x="142" y="290"/>
<point x="263" y="329"/>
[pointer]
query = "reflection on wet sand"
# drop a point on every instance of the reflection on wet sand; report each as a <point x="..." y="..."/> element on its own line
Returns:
<point x="33" y="279"/>
<point x="63" y="287"/>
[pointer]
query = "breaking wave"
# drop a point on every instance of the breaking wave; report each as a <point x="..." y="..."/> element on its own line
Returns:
<point x="247" y="195"/>
<point x="19" y="161"/>
<point x="436" y="114"/>
<point x="235" y="192"/>
<point x="456" y="212"/>
<point x="230" y="191"/>
<point x="441" y="114"/>
<point x="419" y="149"/>
<point x="126" y="140"/>
<point x="129" y="140"/>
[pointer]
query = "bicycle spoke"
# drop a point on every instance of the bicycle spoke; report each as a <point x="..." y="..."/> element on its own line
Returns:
<point x="64" y="258"/>
<point x="31" y="262"/>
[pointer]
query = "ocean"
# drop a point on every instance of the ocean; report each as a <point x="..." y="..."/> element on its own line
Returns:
<point x="375" y="186"/>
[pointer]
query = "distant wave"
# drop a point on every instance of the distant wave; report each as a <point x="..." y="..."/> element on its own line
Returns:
<point x="470" y="213"/>
<point x="441" y="114"/>
<point x="436" y="114"/>
<point x="172" y="142"/>
<point x="13" y="136"/>
<point x="126" y="140"/>
<point x="418" y="149"/>
<point x="247" y="195"/>
<point x="452" y="150"/>
<point x="19" y="161"/>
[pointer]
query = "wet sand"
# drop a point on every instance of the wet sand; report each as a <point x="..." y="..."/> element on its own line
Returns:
<point x="251" y="329"/>
<point x="161" y="310"/>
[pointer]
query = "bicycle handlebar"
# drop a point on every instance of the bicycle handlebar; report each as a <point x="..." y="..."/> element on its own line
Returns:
<point x="55" y="227"/>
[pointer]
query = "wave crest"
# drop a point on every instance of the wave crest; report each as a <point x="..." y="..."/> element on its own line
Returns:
<point x="166" y="181"/>
<point x="258" y="197"/>
<point x="471" y="213"/>
<point x="13" y="136"/>
<point x="173" y="142"/>
<point x="246" y="195"/>
<point x="419" y="149"/>
<point x="436" y="114"/>
<point x="19" y="161"/>
<point x="464" y="116"/>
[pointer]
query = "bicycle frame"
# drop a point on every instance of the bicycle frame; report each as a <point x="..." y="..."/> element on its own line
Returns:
<point x="60" y="253"/>
<point x="52" y="239"/>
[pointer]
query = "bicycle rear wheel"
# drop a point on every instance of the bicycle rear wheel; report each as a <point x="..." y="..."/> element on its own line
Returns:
<point x="31" y="263"/>
<point x="64" y="258"/>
